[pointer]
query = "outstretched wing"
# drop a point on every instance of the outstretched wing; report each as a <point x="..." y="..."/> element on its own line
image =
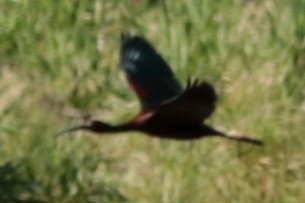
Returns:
<point x="194" y="105"/>
<point x="147" y="72"/>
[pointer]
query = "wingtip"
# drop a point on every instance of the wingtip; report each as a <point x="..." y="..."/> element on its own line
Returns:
<point x="125" y="36"/>
<point x="188" y="82"/>
<point x="195" y="82"/>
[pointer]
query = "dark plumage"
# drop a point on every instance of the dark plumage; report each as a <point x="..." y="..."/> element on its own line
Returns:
<point x="168" y="111"/>
<point x="147" y="72"/>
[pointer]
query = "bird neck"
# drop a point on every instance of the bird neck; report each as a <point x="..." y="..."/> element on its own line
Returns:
<point x="101" y="127"/>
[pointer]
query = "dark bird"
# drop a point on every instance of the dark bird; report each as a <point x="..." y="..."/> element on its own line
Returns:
<point x="167" y="109"/>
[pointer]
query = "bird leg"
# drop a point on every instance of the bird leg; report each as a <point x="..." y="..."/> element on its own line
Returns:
<point x="211" y="131"/>
<point x="244" y="139"/>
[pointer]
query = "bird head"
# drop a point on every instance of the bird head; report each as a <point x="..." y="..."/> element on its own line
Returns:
<point x="92" y="125"/>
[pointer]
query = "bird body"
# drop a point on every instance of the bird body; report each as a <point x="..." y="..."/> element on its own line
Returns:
<point x="167" y="110"/>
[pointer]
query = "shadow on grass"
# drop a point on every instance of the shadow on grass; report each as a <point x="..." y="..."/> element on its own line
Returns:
<point x="17" y="185"/>
<point x="14" y="187"/>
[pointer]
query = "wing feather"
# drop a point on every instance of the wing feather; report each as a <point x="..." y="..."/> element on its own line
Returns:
<point x="195" y="104"/>
<point x="147" y="72"/>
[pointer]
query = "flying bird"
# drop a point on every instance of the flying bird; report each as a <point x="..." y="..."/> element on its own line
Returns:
<point x="167" y="109"/>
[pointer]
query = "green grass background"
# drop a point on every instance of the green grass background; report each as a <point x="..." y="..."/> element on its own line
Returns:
<point x="59" y="61"/>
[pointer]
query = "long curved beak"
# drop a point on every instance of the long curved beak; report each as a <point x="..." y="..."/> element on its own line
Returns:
<point x="72" y="129"/>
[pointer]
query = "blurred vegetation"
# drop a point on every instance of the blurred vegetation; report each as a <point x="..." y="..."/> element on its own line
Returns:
<point x="59" y="61"/>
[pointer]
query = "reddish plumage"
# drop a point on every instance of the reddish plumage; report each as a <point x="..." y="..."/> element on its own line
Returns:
<point x="167" y="111"/>
<point x="138" y="89"/>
